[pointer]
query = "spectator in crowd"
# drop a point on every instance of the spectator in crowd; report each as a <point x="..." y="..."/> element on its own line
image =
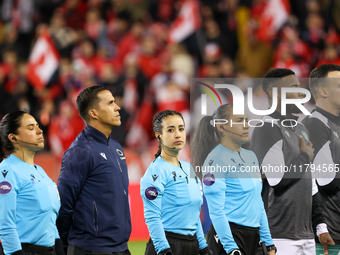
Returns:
<point x="64" y="129"/>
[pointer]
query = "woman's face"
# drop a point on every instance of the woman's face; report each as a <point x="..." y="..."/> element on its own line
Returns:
<point x="173" y="132"/>
<point x="29" y="135"/>
<point x="238" y="125"/>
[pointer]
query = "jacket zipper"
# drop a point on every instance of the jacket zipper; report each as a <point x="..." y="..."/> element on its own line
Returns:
<point x="126" y="208"/>
<point x="95" y="218"/>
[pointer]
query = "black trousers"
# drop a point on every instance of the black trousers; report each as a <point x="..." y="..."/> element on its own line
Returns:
<point x="179" y="244"/>
<point x="246" y="238"/>
<point x="74" y="250"/>
<point x="31" y="249"/>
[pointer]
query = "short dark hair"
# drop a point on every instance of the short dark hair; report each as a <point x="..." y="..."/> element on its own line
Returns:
<point x="87" y="99"/>
<point x="317" y="74"/>
<point x="272" y="76"/>
<point x="9" y="124"/>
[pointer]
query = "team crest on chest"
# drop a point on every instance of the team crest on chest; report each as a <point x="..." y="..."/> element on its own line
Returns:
<point x="304" y="135"/>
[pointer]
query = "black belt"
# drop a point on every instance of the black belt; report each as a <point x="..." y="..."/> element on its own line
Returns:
<point x="237" y="226"/>
<point x="179" y="236"/>
<point x="37" y="248"/>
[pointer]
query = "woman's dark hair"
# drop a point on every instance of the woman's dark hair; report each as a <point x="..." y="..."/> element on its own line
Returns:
<point x="207" y="137"/>
<point x="157" y="124"/>
<point x="9" y="125"/>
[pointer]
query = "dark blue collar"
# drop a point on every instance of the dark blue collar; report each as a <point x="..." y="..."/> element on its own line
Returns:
<point x="95" y="133"/>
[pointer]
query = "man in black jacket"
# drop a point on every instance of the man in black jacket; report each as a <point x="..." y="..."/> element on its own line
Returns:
<point x="93" y="184"/>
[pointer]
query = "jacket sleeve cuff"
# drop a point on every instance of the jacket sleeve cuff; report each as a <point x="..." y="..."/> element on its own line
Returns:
<point x="321" y="228"/>
<point x="19" y="252"/>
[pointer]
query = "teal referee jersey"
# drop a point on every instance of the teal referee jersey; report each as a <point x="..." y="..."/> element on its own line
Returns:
<point x="29" y="205"/>
<point x="232" y="187"/>
<point x="172" y="202"/>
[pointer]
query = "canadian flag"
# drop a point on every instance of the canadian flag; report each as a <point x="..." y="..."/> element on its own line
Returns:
<point x="43" y="61"/>
<point x="187" y="22"/>
<point x="275" y="14"/>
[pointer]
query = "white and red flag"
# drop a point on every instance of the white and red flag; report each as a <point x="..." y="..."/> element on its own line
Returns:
<point x="274" y="15"/>
<point x="43" y="61"/>
<point x="186" y="23"/>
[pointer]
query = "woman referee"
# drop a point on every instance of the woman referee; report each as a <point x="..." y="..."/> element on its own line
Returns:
<point x="28" y="197"/>
<point x="233" y="189"/>
<point x="171" y="194"/>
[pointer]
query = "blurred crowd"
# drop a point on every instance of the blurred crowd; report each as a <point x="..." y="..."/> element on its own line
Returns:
<point x="123" y="44"/>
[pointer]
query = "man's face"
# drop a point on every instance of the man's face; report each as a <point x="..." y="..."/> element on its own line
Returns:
<point x="333" y="89"/>
<point x="107" y="109"/>
<point x="290" y="81"/>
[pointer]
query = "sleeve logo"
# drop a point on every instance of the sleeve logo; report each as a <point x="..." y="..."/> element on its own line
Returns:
<point x="4" y="173"/>
<point x="5" y="188"/>
<point x="208" y="179"/>
<point x="151" y="193"/>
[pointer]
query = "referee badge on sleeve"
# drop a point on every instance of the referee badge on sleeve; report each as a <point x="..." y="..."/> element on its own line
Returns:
<point x="208" y="179"/>
<point x="5" y="188"/>
<point x="151" y="193"/>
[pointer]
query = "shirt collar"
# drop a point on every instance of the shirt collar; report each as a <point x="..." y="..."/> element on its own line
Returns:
<point x="96" y="133"/>
<point x="331" y="117"/>
<point x="277" y="115"/>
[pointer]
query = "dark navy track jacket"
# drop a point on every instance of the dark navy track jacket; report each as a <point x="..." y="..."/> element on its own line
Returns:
<point x="93" y="187"/>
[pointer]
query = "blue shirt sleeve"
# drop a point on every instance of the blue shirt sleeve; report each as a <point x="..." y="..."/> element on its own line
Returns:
<point x="152" y="193"/>
<point x="215" y="196"/>
<point x="265" y="235"/>
<point x="75" y="167"/>
<point x="200" y="236"/>
<point x="9" y="186"/>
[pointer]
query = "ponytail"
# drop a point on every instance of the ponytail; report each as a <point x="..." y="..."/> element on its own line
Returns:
<point x="159" y="150"/>
<point x="207" y="137"/>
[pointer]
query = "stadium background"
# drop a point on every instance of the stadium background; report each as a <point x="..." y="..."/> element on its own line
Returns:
<point x="145" y="52"/>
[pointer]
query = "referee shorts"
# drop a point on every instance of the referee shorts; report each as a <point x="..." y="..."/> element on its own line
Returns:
<point x="246" y="238"/>
<point x="179" y="244"/>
